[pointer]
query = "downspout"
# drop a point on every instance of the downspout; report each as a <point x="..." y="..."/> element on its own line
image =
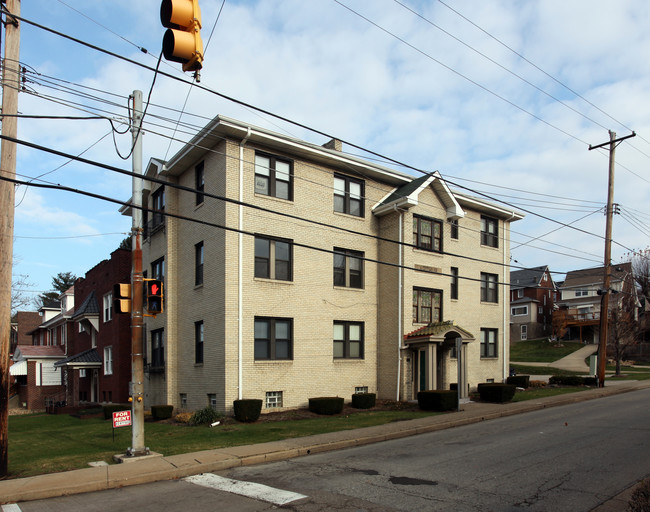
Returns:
<point x="240" y="285"/>
<point x="399" y="301"/>
<point x="506" y="313"/>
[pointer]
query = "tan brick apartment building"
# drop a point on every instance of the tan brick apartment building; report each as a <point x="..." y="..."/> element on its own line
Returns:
<point x="306" y="275"/>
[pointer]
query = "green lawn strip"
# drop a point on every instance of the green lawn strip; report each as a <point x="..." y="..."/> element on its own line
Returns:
<point x="541" y="351"/>
<point x="49" y="443"/>
<point x="535" y="393"/>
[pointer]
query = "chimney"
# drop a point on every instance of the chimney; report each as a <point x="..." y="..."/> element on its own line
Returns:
<point x="334" y="144"/>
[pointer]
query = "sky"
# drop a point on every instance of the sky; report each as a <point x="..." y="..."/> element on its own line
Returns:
<point x="503" y="98"/>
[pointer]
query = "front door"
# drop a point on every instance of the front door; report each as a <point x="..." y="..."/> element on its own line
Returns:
<point x="420" y="370"/>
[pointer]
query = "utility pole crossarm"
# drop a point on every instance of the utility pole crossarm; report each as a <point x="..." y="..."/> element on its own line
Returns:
<point x="608" y="143"/>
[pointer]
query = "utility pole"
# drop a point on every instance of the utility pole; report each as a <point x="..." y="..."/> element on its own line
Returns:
<point x="10" y="88"/>
<point x="137" y="291"/>
<point x="604" y="298"/>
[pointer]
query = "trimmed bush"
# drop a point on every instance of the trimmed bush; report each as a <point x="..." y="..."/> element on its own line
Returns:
<point x="520" y="381"/>
<point x="438" y="400"/>
<point x="572" y="380"/>
<point x="205" y="416"/>
<point x="247" y="410"/>
<point x="364" y="400"/>
<point x="496" y="392"/>
<point x="109" y="409"/>
<point x="161" y="412"/>
<point x="326" y="405"/>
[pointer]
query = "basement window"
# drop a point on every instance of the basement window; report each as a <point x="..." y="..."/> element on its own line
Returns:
<point x="273" y="399"/>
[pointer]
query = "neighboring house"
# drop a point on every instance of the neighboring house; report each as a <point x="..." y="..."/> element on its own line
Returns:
<point x="581" y="295"/>
<point x="261" y="303"/>
<point x="39" y="385"/>
<point x="23" y="324"/>
<point x="37" y="379"/>
<point x="98" y="363"/>
<point x="532" y="299"/>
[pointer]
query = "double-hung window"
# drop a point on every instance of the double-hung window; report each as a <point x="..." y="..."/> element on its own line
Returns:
<point x="108" y="307"/>
<point x="198" y="264"/>
<point x="348" y="195"/>
<point x="157" y="349"/>
<point x="198" y="342"/>
<point x="453" y="292"/>
<point x="489" y="231"/>
<point x="273" y="176"/>
<point x="348" y="340"/>
<point x="489" y="342"/>
<point x="489" y="287"/>
<point x="199" y="182"/>
<point x="427" y="306"/>
<point x="273" y="258"/>
<point x="348" y="268"/>
<point x="158" y="205"/>
<point x="273" y="338"/>
<point x="453" y="229"/>
<point x="427" y="233"/>
<point x="108" y="360"/>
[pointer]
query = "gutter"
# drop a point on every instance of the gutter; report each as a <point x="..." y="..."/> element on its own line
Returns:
<point x="240" y="285"/>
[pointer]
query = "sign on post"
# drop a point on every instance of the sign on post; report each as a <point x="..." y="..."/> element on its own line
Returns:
<point x="121" y="419"/>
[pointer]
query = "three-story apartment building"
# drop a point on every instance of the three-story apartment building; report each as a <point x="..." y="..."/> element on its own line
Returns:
<point x="293" y="270"/>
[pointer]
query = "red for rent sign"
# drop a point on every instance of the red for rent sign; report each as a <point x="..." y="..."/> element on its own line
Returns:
<point x="121" y="419"/>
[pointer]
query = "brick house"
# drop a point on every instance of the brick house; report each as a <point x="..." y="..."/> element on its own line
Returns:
<point x="533" y="295"/>
<point x="98" y="363"/>
<point x="37" y="381"/>
<point x="23" y="323"/>
<point x="316" y="274"/>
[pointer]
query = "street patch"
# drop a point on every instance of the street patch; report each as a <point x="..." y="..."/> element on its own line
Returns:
<point x="249" y="489"/>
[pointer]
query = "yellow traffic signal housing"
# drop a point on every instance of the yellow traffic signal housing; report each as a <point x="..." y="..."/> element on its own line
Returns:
<point x="182" y="40"/>
<point x="122" y="298"/>
<point x="153" y="297"/>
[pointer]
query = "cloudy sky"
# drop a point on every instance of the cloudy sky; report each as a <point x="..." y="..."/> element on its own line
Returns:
<point x="502" y="97"/>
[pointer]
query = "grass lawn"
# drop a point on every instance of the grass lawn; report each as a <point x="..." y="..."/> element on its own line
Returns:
<point x="541" y="351"/>
<point x="523" y="369"/>
<point x="43" y="443"/>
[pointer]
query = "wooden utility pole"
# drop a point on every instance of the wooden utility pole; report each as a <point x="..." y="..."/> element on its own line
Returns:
<point x="604" y="299"/>
<point x="10" y="87"/>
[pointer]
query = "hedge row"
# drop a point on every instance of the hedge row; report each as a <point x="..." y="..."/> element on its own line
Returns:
<point x="573" y="380"/>
<point x="496" y="392"/>
<point x="438" y="400"/>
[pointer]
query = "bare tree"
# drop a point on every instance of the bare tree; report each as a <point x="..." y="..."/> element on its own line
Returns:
<point x="559" y="323"/>
<point x="623" y="334"/>
<point x="20" y="295"/>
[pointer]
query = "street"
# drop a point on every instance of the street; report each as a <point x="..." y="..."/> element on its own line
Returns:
<point x="569" y="458"/>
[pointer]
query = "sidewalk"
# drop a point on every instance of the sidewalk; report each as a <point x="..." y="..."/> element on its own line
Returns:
<point x="574" y="362"/>
<point x="157" y="468"/>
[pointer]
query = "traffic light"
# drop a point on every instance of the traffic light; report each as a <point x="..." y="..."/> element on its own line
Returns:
<point x="122" y="298"/>
<point x="182" y="40"/>
<point x="153" y="296"/>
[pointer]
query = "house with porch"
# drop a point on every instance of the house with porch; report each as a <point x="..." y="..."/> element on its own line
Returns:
<point x="97" y="366"/>
<point x="293" y="270"/>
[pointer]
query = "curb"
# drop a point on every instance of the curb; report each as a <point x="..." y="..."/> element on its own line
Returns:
<point x="179" y="466"/>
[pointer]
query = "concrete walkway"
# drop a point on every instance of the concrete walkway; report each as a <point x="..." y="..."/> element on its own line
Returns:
<point x="574" y="362"/>
<point x="157" y="468"/>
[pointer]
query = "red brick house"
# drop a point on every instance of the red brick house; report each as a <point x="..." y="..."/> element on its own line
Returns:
<point x="533" y="296"/>
<point x="97" y="368"/>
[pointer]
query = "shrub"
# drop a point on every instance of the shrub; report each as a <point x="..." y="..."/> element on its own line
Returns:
<point x="572" y="380"/>
<point x="537" y="384"/>
<point x="364" y="400"/>
<point x="183" y="417"/>
<point x="640" y="499"/>
<point x="161" y="412"/>
<point x="520" y="381"/>
<point x="438" y="400"/>
<point x="109" y="409"/>
<point x="496" y="392"/>
<point x="326" y="405"/>
<point x="247" y="410"/>
<point x="205" y="416"/>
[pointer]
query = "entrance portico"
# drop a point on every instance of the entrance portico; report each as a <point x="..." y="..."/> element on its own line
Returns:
<point x="438" y="349"/>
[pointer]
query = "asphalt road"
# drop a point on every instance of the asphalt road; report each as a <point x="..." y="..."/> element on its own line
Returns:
<point x="569" y="458"/>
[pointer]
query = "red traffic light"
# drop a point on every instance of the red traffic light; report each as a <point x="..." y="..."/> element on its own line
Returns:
<point x="153" y="296"/>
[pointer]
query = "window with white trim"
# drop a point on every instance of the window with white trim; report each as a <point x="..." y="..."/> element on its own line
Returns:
<point x="108" y="307"/>
<point x="108" y="360"/>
